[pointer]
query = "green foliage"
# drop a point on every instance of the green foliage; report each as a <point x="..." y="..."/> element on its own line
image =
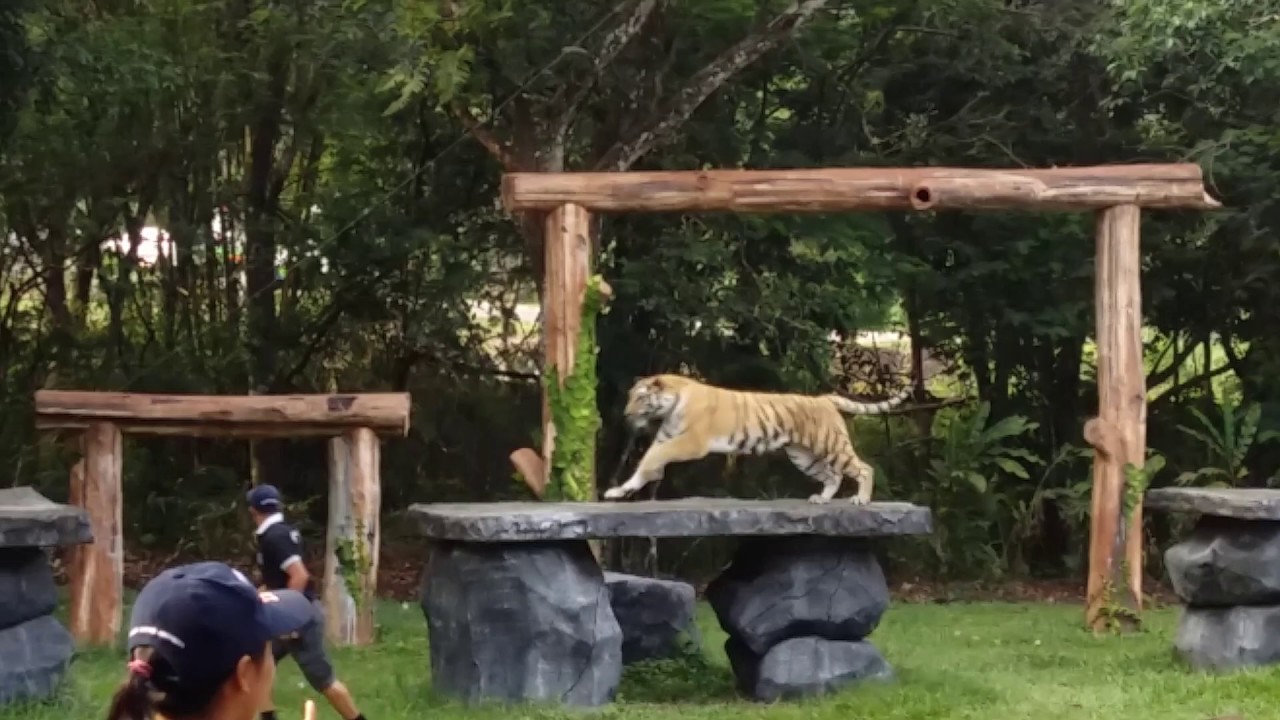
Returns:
<point x="972" y="469"/>
<point x="1225" y="444"/>
<point x="573" y="409"/>
<point x="969" y="450"/>
<point x="1138" y="479"/>
<point x="354" y="562"/>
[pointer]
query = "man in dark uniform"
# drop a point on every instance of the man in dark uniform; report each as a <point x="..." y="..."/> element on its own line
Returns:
<point x="280" y="566"/>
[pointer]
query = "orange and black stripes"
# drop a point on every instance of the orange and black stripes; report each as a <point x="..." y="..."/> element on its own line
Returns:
<point x="695" y="419"/>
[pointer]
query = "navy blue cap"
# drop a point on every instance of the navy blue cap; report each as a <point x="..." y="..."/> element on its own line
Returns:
<point x="265" y="498"/>
<point x="202" y="618"/>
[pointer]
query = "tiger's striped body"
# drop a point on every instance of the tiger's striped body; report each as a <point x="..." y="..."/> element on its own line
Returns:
<point x="695" y="419"/>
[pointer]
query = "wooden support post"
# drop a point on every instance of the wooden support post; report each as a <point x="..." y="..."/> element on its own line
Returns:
<point x="568" y="269"/>
<point x="96" y="571"/>
<point x="1118" y="434"/>
<point x="353" y="537"/>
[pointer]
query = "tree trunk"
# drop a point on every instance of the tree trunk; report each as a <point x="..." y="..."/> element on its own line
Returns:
<point x="260" y="242"/>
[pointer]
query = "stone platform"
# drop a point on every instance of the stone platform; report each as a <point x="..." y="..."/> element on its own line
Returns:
<point x="518" y="609"/>
<point x="35" y="649"/>
<point x="1227" y="573"/>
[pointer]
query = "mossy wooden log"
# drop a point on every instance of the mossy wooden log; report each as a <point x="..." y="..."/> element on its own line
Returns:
<point x="352" y="538"/>
<point x="572" y="298"/>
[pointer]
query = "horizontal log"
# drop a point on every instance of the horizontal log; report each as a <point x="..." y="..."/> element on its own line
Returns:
<point x="225" y="416"/>
<point x="1174" y="185"/>
<point x="1015" y="191"/>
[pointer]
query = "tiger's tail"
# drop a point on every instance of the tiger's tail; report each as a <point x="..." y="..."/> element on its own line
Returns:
<point x="851" y="407"/>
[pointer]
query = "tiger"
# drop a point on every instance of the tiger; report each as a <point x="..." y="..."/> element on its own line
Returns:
<point x="694" y="419"/>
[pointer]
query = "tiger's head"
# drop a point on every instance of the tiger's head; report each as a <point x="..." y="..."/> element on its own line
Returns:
<point x="651" y="399"/>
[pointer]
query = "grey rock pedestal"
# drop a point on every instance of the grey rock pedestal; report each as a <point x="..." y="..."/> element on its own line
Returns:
<point x="521" y="621"/>
<point x="797" y="610"/>
<point x="35" y="649"/>
<point x="1227" y="574"/>
<point x="810" y="666"/>
<point x="656" y="616"/>
<point x="1225" y="638"/>
<point x="517" y="608"/>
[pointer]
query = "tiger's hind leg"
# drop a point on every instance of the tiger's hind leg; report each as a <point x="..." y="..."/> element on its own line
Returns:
<point x="857" y="469"/>
<point x="818" y="469"/>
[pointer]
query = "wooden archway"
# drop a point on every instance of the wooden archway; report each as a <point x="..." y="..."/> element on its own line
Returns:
<point x="352" y="422"/>
<point x="1115" y="194"/>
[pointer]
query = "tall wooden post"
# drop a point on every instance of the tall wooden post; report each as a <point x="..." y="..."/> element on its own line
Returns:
<point x="1118" y="433"/>
<point x="352" y="538"/>
<point x="96" y="572"/>
<point x="568" y="269"/>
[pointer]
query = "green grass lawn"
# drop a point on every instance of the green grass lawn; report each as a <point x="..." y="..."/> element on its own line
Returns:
<point x="993" y="661"/>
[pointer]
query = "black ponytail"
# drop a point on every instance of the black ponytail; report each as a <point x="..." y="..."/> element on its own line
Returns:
<point x="153" y="686"/>
<point x="134" y="698"/>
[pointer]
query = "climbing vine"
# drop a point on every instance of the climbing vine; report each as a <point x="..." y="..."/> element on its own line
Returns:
<point x="353" y="562"/>
<point x="1116" y="615"/>
<point x="573" y="408"/>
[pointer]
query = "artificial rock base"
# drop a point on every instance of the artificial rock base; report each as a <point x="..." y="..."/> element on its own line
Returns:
<point x="1217" y="639"/>
<point x="1227" y="573"/>
<point x="35" y="649"/>
<point x="34" y="657"/>
<point x="656" y="616"/>
<point x="797" y="610"/>
<point x="519" y="622"/>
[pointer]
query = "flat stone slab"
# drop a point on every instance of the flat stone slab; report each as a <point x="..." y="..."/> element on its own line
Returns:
<point x="1238" y="503"/>
<point x="29" y="519"/>
<point x="686" y="517"/>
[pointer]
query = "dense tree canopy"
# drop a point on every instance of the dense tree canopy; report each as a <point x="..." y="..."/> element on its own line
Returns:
<point x="233" y="196"/>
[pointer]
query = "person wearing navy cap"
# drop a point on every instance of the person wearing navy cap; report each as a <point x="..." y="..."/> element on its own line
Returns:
<point x="199" y="645"/>
<point x="281" y="567"/>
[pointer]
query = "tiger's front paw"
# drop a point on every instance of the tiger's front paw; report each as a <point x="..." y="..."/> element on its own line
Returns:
<point x="819" y="499"/>
<point x="615" y="493"/>
<point x="858" y="500"/>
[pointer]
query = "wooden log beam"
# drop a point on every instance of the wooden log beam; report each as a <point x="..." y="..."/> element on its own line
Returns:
<point x="96" y="571"/>
<point x="1022" y="192"/>
<point x="225" y="416"/>
<point x="1177" y="185"/>
<point x="353" y="537"/>
<point x="1118" y="434"/>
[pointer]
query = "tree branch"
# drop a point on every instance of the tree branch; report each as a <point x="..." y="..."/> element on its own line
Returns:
<point x="662" y="126"/>
<point x="610" y="47"/>
<point x="1159" y="378"/>
<point x="485" y="137"/>
<point x="1201" y="379"/>
<point x="319" y="334"/>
